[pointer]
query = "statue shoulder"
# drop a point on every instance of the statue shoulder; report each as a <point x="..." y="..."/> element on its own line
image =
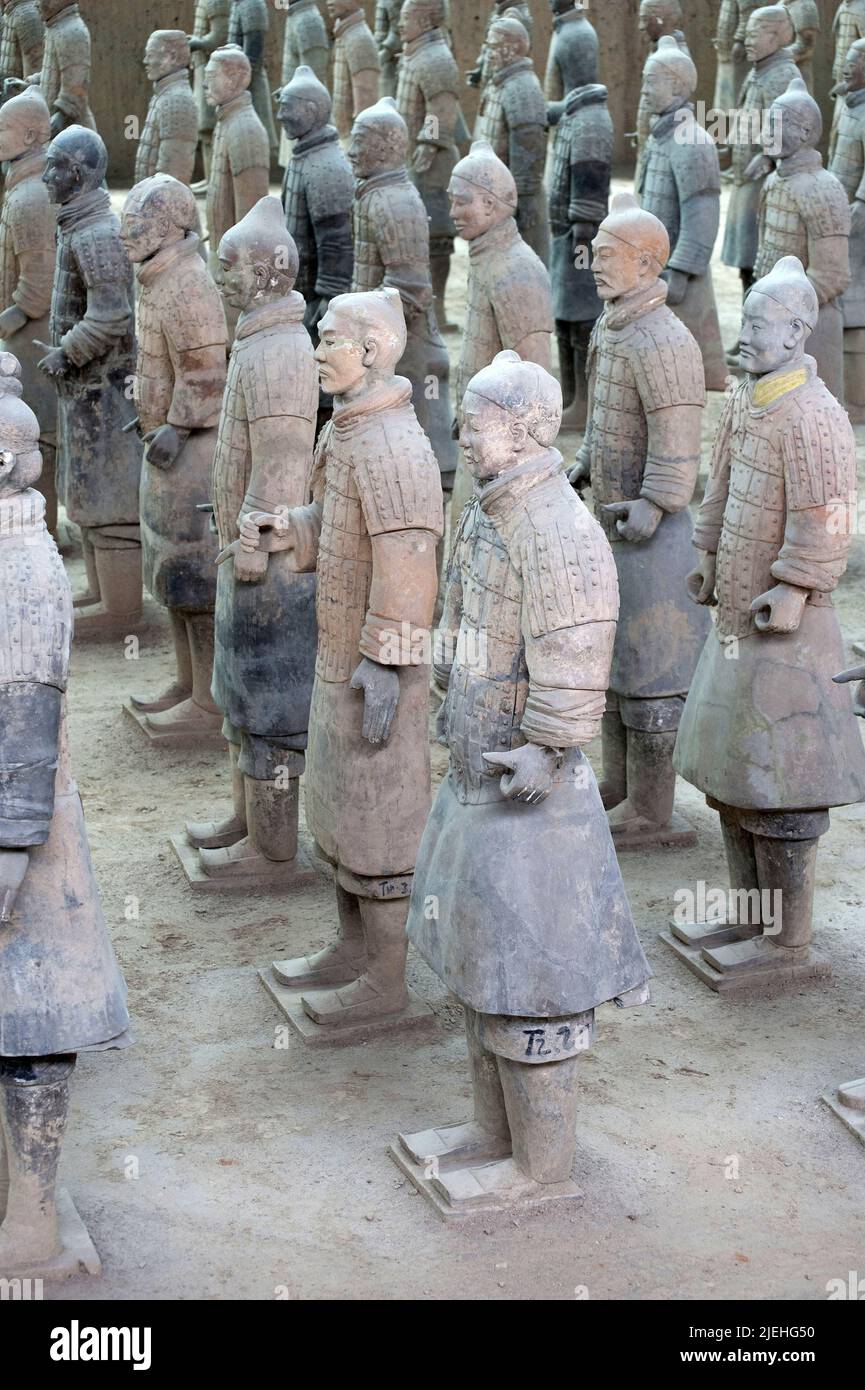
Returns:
<point x="667" y="362"/>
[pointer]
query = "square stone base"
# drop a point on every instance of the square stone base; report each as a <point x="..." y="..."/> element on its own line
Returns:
<point x="206" y="739"/>
<point x="678" y="834"/>
<point x="301" y="872"/>
<point x="418" y="1019"/>
<point x="77" y="1257"/>
<point x="481" y="1189"/>
<point x="760" y="982"/>
<point x="853" y="1119"/>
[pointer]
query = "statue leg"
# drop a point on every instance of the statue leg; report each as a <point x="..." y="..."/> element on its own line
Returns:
<point x="271" y="789"/>
<point x="541" y="1103"/>
<point x="337" y="964"/>
<point x="219" y="834"/>
<point x="34" y="1103"/>
<point x="91" y="593"/>
<point x="574" y="418"/>
<point x="181" y="687"/>
<point x="564" y="338"/>
<point x="646" y="817"/>
<point x="614" y="745"/>
<point x="47" y="483"/>
<point x="117" y="554"/>
<point x="854" y="374"/>
<point x="197" y="715"/>
<point x="441" y="250"/>
<point x="380" y="991"/>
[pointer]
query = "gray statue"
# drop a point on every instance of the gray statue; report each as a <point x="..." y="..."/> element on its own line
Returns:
<point x="848" y="166"/>
<point x="248" y="24"/>
<point x="573" y="55"/>
<point x="170" y="134"/>
<point x="22" y="39"/>
<point x="210" y="31"/>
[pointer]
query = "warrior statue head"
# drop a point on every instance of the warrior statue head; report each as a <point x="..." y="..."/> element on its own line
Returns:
<point x="419" y="17"/>
<point x="227" y="75"/>
<point x="341" y="9"/>
<point x="669" y="77"/>
<point x="258" y="260"/>
<point x="76" y="163"/>
<point x="482" y="191"/>
<point x="659" y="17"/>
<point x="795" y="122"/>
<point x="20" y="458"/>
<point x="511" y="410"/>
<point x="779" y="313"/>
<point x="303" y="105"/>
<point x="159" y="210"/>
<point x="379" y="140"/>
<point x="25" y="124"/>
<point x="854" y="67"/>
<point x="166" y="51"/>
<point x="630" y="250"/>
<point x="507" y="42"/>
<point x="768" y="29"/>
<point x="361" y="339"/>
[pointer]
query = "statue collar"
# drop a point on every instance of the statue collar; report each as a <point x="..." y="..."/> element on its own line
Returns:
<point x="506" y="490"/>
<point x="300" y="4"/>
<point x="620" y="313"/>
<point x="62" y="14"/>
<point x="502" y="234"/>
<point x="170" y="80"/>
<point x="388" y="395"/>
<point x="84" y="208"/>
<point x="802" y="162"/>
<point x="854" y="99"/>
<point x="578" y="12"/>
<point x="430" y="36"/>
<point x="280" y="314"/>
<point x="150" y="270"/>
<point x="385" y="179"/>
<point x="781" y="55"/>
<point x="27" y="166"/>
<point x="22" y="515"/>
<point x="323" y="136"/>
<point x="766" y="391"/>
<point x="349" y="22"/>
<point x="236" y="104"/>
<point x="504" y="74"/>
<point x="664" y="123"/>
<point x="592" y="94"/>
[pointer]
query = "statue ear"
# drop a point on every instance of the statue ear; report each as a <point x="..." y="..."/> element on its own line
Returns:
<point x="370" y="352"/>
<point x="262" y="276"/>
<point x="519" y="435"/>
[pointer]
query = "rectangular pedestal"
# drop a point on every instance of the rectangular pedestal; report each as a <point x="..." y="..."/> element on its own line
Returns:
<point x="209" y="739"/>
<point x="853" y="1119"/>
<point x="418" y="1019"/>
<point x="458" y="1194"/>
<point x="300" y="872"/>
<point x="78" y="1256"/>
<point x="748" y="984"/>
<point x="679" y="834"/>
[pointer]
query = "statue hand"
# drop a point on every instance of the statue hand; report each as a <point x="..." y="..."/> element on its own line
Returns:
<point x="779" y="609"/>
<point x="637" y="520"/>
<point x="380" y="686"/>
<point x="12" y="86"/>
<point x="268" y="532"/>
<point x="701" y="581"/>
<point x="56" y="363"/>
<point x="424" y="158"/>
<point x="473" y="78"/>
<point x="12" y="320"/>
<point x="13" y="867"/>
<point x="163" y="446"/>
<point x="580" y="475"/>
<point x="759" y="166"/>
<point x="856" y="674"/>
<point x="677" y="285"/>
<point x="529" y="772"/>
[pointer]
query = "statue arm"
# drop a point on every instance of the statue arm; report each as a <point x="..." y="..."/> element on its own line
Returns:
<point x="819" y="481"/>
<point x="554" y="89"/>
<point x="216" y="35"/>
<point x="107" y="318"/>
<point x="199" y="381"/>
<point x="36" y="257"/>
<point x="710" y="517"/>
<point x="334" y="254"/>
<point x="31" y="40"/>
<point x="828" y="266"/>
<point x="72" y="100"/>
<point x="30" y="716"/>
<point x="250" y="185"/>
<point x="401" y="599"/>
<point x="176" y="157"/>
<point x="527" y="156"/>
<point x="672" y="456"/>
<point x="281" y="447"/>
<point x="440" y="123"/>
<point x="452" y="614"/>
<point x="700" y="217"/>
<point x="364" y="89"/>
<point x="535" y="347"/>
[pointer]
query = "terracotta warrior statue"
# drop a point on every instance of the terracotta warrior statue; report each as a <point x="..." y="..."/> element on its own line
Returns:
<point x="804" y="212"/>
<point x="22" y="40"/>
<point x="248" y="24"/>
<point x="28" y="232"/>
<point x="657" y="19"/>
<point x="768" y="33"/>
<point x="317" y="194"/>
<point x="179" y="381"/>
<point x="389" y="41"/>
<point x="509" y="299"/>
<point x="481" y="73"/>
<point x="240" y="162"/>
<point x="805" y="15"/>
<point x="306" y="44"/>
<point x="641" y="453"/>
<point x="531" y="929"/>
<point x="848" y="166"/>
<point x="265" y="609"/>
<point x="428" y="100"/>
<point x="573" y="57"/>
<point x="579" y="194"/>
<point x="375" y="481"/>
<point x="729" y="45"/>
<point x="681" y="184"/>
<point x="391" y="250"/>
<point x="92" y="362"/>
<point x="848" y="26"/>
<point x="61" y="991"/>
<point x="514" y="121"/>
<point x="356" y="64"/>
<point x="170" y="135"/>
<point x="767" y="736"/>
<point x="65" y="73"/>
<point x="210" y="31"/>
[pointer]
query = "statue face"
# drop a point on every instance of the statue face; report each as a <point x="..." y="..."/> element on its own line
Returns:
<point x="761" y="39"/>
<point x="616" y="266"/>
<point x="660" y="87"/>
<point x="784" y="134"/>
<point x="770" y="337"/>
<point x="340" y="354"/>
<point x="341" y="9"/>
<point x="501" y="49"/>
<point x="473" y="211"/>
<point x="238" y="277"/>
<point x="222" y="82"/>
<point x="142" y="234"/>
<point x="367" y="152"/>
<point x="296" y="114"/>
<point x="159" y="59"/>
<point x="412" y="21"/>
<point x="854" y="69"/>
<point x="487" y="436"/>
<point x="61" y="176"/>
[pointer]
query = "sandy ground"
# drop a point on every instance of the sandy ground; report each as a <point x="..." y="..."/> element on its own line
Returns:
<point x="210" y="1163"/>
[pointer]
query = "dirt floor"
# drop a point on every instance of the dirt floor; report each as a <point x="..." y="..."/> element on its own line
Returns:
<point x="210" y="1163"/>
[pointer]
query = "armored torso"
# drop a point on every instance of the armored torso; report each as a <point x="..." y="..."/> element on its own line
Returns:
<point x="239" y="143"/>
<point x="848" y="158"/>
<point x="766" y="80"/>
<point x="66" y="67"/>
<point x="681" y="164"/>
<point x="849" y="26"/>
<point x="573" y="57"/>
<point x="27" y="223"/>
<point x="427" y="71"/>
<point x="354" y="51"/>
<point x="170" y="134"/>
<point x="22" y="39"/>
<point x="318" y="187"/>
<point x="211" y="23"/>
<point x="514" y="99"/>
<point x="92" y="265"/>
<point x="389" y="215"/>
<point x="306" y="40"/>
<point x="809" y="203"/>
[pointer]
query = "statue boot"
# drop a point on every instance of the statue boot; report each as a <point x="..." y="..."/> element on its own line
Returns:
<point x="614" y="746"/>
<point x="91" y="593"/>
<point x="381" y="990"/>
<point x="268" y="850"/>
<point x="221" y="834"/>
<point x="440" y="267"/>
<point x="118" y="574"/>
<point x="181" y="687"/>
<point x="573" y="364"/>
<point x="34" y="1104"/>
<point x="647" y="810"/>
<point x="337" y="964"/>
<point x="196" y="716"/>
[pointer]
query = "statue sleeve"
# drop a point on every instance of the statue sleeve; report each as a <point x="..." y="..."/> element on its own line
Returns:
<point x="104" y="269"/>
<point x="35" y="256"/>
<point x="217" y="31"/>
<point x="668" y="371"/>
<point x="30" y="720"/>
<point x="31" y="39"/>
<point x="528" y="152"/>
<point x="250" y="186"/>
<point x="828" y="266"/>
<point x="553" y="86"/>
<point x="452" y="607"/>
<point x="569" y="611"/>
<point x="281" y="395"/>
<point x="672" y="456"/>
<point x="524" y="315"/>
<point x="710" y="517"/>
<point x="199" y="379"/>
<point x="330" y="196"/>
<point x="698" y="182"/>
<point x="819" y="455"/>
<point x="440" y="122"/>
<point x="404" y="270"/>
<point x="72" y="99"/>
